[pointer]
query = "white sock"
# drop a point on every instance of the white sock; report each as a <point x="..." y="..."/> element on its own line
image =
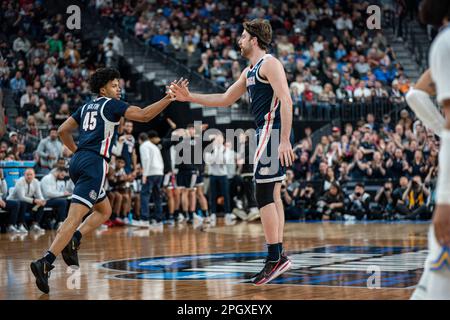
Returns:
<point x="436" y="282"/>
<point x="426" y="110"/>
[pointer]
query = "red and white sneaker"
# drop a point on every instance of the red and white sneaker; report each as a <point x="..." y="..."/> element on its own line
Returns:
<point x="118" y="222"/>
<point x="272" y="269"/>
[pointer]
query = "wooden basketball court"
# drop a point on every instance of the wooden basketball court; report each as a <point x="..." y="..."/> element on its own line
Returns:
<point x="330" y="261"/>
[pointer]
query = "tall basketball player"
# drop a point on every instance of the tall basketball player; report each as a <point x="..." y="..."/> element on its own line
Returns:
<point x="97" y="122"/>
<point x="436" y="279"/>
<point x="271" y="104"/>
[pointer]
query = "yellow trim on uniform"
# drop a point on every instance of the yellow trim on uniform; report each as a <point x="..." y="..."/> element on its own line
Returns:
<point x="444" y="259"/>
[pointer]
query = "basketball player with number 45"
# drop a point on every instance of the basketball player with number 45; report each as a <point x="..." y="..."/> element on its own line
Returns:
<point x="97" y="122"/>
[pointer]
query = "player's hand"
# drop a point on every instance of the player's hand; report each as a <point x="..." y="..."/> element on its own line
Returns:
<point x="441" y="223"/>
<point x="285" y="153"/>
<point x="179" y="90"/>
<point x="169" y="88"/>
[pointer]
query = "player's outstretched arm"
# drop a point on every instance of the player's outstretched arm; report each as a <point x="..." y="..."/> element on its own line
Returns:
<point x="273" y="70"/>
<point x="233" y="93"/>
<point x="65" y="133"/>
<point x="148" y="113"/>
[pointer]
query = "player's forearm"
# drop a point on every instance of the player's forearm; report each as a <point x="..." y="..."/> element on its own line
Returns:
<point x="154" y="109"/>
<point x="286" y="119"/>
<point x="210" y="100"/>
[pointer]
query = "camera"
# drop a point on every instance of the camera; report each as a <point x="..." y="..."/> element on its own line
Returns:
<point x="358" y="194"/>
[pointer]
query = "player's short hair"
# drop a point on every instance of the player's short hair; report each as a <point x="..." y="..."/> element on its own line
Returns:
<point x="433" y="11"/>
<point x="101" y="77"/>
<point x="262" y="30"/>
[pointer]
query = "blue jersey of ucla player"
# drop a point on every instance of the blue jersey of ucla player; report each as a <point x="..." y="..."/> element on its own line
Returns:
<point x="265" y="108"/>
<point x="98" y="123"/>
<point x="264" y="103"/>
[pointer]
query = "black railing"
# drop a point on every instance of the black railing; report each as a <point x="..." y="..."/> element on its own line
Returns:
<point x="348" y="110"/>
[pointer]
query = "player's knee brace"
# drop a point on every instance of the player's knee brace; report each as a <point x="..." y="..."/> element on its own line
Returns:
<point x="264" y="194"/>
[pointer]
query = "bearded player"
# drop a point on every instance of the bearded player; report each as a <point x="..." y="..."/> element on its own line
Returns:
<point x="271" y="105"/>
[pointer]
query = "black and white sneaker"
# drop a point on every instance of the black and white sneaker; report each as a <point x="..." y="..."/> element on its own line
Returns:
<point x="70" y="253"/>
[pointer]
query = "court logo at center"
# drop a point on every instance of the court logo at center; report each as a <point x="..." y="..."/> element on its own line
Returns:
<point x="400" y="267"/>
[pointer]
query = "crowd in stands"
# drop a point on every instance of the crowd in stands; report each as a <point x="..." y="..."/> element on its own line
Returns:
<point x="328" y="53"/>
<point x="46" y="68"/>
<point x="399" y="159"/>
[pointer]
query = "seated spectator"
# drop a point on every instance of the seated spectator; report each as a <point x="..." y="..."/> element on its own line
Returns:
<point x="359" y="169"/>
<point x="117" y="44"/>
<point x="218" y="73"/>
<point x="378" y="167"/>
<point x="17" y="85"/>
<point x="396" y="95"/>
<point x="358" y="203"/>
<point x="330" y="179"/>
<point x="160" y="40"/>
<point x="321" y="173"/>
<point x="378" y="92"/>
<point x="306" y="202"/>
<point x="362" y="67"/>
<point x="327" y="99"/>
<point x="11" y="207"/>
<point x="415" y="201"/>
<point x="301" y="167"/>
<point x="397" y="166"/>
<point x="111" y="56"/>
<point x="331" y="204"/>
<point x="176" y="40"/>
<point x="54" y="190"/>
<point x="43" y="116"/>
<point x="397" y="195"/>
<point x="418" y="167"/>
<point x="71" y="55"/>
<point x="48" y="91"/>
<point x="362" y="93"/>
<point x="121" y="185"/>
<point x="29" y="102"/>
<point x="62" y="115"/>
<point x="383" y="206"/>
<point x="28" y="192"/>
<point x="49" y="150"/>
<point x="140" y="27"/>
